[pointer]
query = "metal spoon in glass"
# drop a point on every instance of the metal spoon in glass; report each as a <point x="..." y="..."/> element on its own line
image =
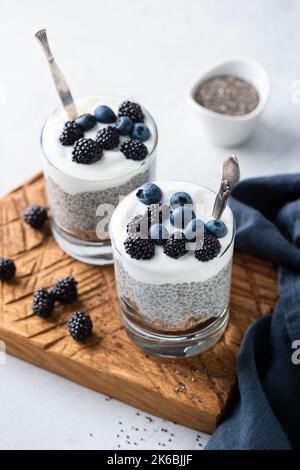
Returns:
<point x="59" y="80"/>
<point x="230" y="177"/>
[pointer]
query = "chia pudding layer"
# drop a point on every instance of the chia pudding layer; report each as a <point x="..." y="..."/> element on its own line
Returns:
<point x="175" y="306"/>
<point x="172" y="295"/>
<point x="76" y="214"/>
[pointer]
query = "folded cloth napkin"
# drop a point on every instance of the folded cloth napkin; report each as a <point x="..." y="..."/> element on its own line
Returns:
<point x="265" y="410"/>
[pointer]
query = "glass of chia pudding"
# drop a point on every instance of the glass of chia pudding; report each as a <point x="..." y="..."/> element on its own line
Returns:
<point x="89" y="165"/>
<point x="173" y="267"/>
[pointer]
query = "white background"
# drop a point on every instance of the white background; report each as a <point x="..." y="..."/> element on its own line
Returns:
<point x="148" y="50"/>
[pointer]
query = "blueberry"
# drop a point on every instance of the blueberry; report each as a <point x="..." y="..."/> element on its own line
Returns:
<point x="140" y="132"/>
<point x="86" y="121"/>
<point x="149" y="193"/>
<point x="194" y="230"/>
<point x="124" y="125"/>
<point x="158" y="233"/>
<point x="180" y="199"/>
<point x="105" y="114"/>
<point x="217" y="228"/>
<point x="182" y="216"/>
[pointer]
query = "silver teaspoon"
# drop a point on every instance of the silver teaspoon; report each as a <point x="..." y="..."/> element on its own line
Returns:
<point x="230" y="177"/>
<point x="59" y="80"/>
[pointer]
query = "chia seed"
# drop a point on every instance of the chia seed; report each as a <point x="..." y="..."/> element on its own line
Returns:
<point x="76" y="213"/>
<point x="227" y="95"/>
<point x="178" y="306"/>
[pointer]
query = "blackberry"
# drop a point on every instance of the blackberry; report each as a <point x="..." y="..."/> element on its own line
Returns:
<point x="132" y="110"/>
<point x="70" y="133"/>
<point x="86" y="151"/>
<point x="35" y="216"/>
<point x="7" y="269"/>
<point x="65" y="290"/>
<point x="134" y="149"/>
<point x="134" y="226"/>
<point x="208" y="249"/>
<point x="80" y="326"/>
<point x="139" y="248"/>
<point x="108" y="138"/>
<point x="175" y="246"/>
<point x="43" y="303"/>
<point x="157" y="213"/>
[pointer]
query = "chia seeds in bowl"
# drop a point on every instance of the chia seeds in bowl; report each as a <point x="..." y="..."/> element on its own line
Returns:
<point x="228" y="95"/>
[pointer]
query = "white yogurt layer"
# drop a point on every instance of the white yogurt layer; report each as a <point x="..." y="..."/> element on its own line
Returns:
<point x="112" y="170"/>
<point x="161" y="268"/>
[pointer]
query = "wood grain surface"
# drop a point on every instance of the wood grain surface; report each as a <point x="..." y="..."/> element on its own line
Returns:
<point x="193" y="392"/>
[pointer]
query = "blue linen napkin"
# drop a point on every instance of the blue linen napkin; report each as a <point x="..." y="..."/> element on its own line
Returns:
<point x="265" y="409"/>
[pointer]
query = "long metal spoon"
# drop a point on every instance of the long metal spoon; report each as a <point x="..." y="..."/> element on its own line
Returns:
<point x="230" y="177"/>
<point x="59" y="80"/>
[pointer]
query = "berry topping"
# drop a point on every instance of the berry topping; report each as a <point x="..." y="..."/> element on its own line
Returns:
<point x="65" y="290"/>
<point x="217" y="228"/>
<point x="43" y="303"/>
<point x="124" y="125"/>
<point x="175" y="245"/>
<point x="139" y="248"/>
<point x="86" y="151"/>
<point x="149" y="193"/>
<point x="208" y="249"/>
<point x="140" y="132"/>
<point x="80" y="326"/>
<point x="133" y="149"/>
<point x="136" y="228"/>
<point x="132" y="110"/>
<point x="195" y="230"/>
<point x="70" y="133"/>
<point x="108" y="138"/>
<point x="35" y="216"/>
<point x="7" y="269"/>
<point x="158" y="233"/>
<point x="105" y="114"/>
<point x="181" y="216"/>
<point x="86" y="121"/>
<point x="157" y="213"/>
<point x="180" y="199"/>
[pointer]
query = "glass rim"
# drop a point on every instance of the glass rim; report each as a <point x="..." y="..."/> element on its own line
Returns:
<point x="144" y="162"/>
<point x="215" y="260"/>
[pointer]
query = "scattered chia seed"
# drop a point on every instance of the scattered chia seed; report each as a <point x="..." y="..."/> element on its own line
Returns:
<point x="227" y="95"/>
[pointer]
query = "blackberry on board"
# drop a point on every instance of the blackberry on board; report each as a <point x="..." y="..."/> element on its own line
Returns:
<point x="35" y="216"/>
<point x="43" y="303"/>
<point x="7" y="269"/>
<point x="65" y="290"/>
<point x="80" y="326"/>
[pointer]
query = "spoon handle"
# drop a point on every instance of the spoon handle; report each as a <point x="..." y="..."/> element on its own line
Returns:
<point x="230" y="177"/>
<point x="59" y="80"/>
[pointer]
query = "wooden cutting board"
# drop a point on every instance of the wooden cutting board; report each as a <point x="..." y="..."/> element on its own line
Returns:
<point x="193" y="392"/>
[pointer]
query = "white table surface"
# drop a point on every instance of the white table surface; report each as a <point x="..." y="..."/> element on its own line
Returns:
<point x="148" y="50"/>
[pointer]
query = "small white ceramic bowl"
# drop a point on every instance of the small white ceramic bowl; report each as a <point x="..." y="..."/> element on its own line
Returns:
<point x="225" y="130"/>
